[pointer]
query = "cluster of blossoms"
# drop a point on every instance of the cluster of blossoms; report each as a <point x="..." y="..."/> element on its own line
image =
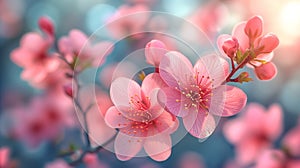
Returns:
<point x="254" y="143"/>
<point x="144" y="116"/>
<point x="247" y="46"/>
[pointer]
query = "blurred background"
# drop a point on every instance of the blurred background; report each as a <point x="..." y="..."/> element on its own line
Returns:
<point x="216" y="17"/>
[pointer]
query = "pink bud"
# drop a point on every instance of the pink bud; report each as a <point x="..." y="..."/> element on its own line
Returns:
<point x="268" y="43"/>
<point x="154" y="52"/>
<point x="230" y="46"/>
<point x="266" y="71"/>
<point x="46" y="25"/>
<point x="68" y="90"/>
<point x="254" y="27"/>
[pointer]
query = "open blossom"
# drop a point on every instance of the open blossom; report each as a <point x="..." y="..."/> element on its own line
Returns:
<point x="251" y="139"/>
<point x="77" y="49"/>
<point x="44" y="119"/>
<point x="142" y="121"/>
<point x="32" y="55"/>
<point x="197" y="93"/>
<point x="253" y="47"/>
<point x="128" y="20"/>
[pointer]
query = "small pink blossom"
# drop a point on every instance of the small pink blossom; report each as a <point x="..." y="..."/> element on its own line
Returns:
<point x="78" y="50"/>
<point x="4" y="156"/>
<point x="41" y="68"/>
<point x="154" y="52"/>
<point x="197" y="93"/>
<point x="251" y="139"/>
<point x="142" y="121"/>
<point x="44" y="119"/>
<point x="128" y="20"/>
<point x="210" y="17"/>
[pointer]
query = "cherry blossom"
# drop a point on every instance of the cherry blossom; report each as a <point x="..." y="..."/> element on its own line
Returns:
<point x="128" y="20"/>
<point x="254" y="48"/>
<point x="251" y="139"/>
<point x="142" y="121"/>
<point x="40" y="66"/>
<point x="197" y="94"/>
<point x="80" y="52"/>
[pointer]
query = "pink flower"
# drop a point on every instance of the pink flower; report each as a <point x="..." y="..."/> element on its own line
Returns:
<point x="44" y="119"/>
<point x="291" y="141"/>
<point x="197" y="93"/>
<point x="154" y="52"/>
<point x="210" y="17"/>
<point x="41" y="68"/>
<point x="257" y="48"/>
<point x="4" y="156"/>
<point x="141" y="119"/>
<point x="251" y="139"/>
<point x="129" y="20"/>
<point x="77" y="49"/>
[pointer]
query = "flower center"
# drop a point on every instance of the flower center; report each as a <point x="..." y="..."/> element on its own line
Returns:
<point x="197" y="94"/>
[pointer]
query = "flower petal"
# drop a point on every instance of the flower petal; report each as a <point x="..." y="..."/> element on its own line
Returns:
<point x="175" y="69"/>
<point x="239" y="33"/>
<point x="151" y="82"/>
<point x="227" y="100"/>
<point x="274" y="118"/>
<point x="235" y="131"/>
<point x="199" y="124"/>
<point x="122" y="89"/>
<point x="127" y="146"/>
<point x="158" y="147"/>
<point x="212" y="66"/>
<point x="254" y="27"/>
<point x="268" y="43"/>
<point x="266" y="71"/>
<point x="115" y="119"/>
